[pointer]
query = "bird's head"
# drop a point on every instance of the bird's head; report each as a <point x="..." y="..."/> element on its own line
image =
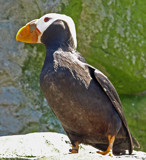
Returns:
<point x="50" y="29"/>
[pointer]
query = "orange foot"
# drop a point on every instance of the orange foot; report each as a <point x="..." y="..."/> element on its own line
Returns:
<point x="109" y="153"/>
<point x="75" y="148"/>
<point x="110" y="146"/>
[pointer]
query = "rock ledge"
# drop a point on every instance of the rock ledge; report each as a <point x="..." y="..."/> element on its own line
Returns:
<point x="51" y="146"/>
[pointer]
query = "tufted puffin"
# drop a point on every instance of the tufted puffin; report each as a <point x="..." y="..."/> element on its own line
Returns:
<point x="83" y="99"/>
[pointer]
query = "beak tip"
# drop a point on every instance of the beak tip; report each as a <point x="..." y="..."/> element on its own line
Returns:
<point x="17" y="36"/>
<point x="17" y="39"/>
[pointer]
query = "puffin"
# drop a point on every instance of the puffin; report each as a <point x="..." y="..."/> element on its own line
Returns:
<point x="82" y="97"/>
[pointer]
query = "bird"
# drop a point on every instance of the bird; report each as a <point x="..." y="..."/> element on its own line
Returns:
<point x="81" y="96"/>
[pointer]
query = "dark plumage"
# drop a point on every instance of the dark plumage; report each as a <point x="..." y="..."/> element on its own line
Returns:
<point x="82" y="98"/>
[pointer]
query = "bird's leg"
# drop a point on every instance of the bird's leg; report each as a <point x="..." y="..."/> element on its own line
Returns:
<point x="75" y="147"/>
<point x="110" y="146"/>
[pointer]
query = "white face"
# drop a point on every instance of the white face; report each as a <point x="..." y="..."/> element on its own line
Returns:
<point x="44" y="22"/>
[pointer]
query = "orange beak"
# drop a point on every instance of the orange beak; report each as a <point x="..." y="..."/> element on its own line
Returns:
<point x="28" y="34"/>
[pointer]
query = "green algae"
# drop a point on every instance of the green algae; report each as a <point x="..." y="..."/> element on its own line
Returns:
<point x="135" y="112"/>
<point x="112" y="38"/>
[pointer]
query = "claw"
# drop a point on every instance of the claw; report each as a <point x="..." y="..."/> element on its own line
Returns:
<point x="74" y="150"/>
<point x="109" y="153"/>
<point x="110" y="146"/>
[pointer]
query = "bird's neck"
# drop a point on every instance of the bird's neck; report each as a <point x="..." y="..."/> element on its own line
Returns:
<point x="49" y="61"/>
<point x="58" y="36"/>
<point x="56" y="45"/>
<point x="64" y="44"/>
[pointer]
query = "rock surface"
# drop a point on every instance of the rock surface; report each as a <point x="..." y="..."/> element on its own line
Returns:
<point x="51" y="146"/>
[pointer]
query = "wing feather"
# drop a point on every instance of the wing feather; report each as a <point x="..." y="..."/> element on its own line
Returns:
<point x="113" y="96"/>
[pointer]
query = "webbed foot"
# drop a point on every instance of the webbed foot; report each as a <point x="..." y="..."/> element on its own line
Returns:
<point x="75" y="148"/>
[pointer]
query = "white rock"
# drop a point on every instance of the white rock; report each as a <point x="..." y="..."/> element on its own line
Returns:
<point x="52" y="146"/>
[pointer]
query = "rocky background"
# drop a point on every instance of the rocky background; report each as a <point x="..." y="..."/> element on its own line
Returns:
<point x="111" y="36"/>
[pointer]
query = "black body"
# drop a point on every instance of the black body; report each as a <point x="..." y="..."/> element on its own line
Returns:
<point x="81" y="97"/>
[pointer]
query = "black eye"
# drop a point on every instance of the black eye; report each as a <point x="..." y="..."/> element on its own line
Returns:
<point x="46" y="19"/>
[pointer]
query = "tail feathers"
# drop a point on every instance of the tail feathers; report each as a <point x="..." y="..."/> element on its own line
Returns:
<point x="135" y="143"/>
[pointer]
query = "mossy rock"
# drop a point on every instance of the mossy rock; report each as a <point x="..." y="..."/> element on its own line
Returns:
<point x="111" y="36"/>
<point x="135" y="113"/>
